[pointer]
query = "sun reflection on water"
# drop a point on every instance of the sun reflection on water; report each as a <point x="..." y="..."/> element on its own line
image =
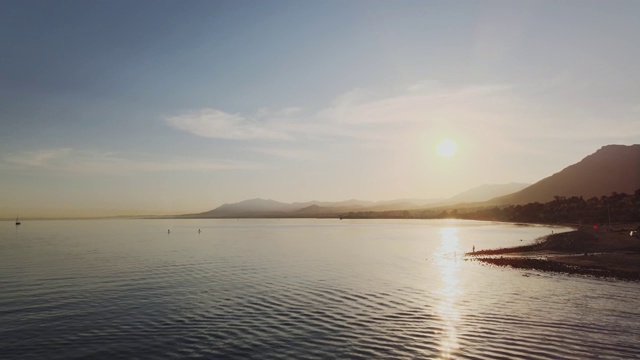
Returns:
<point x="448" y="261"/>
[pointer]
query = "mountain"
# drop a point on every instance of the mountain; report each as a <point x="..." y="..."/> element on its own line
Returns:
<point x="352" y="203"/>
<point x="253" y="207"/>
<point x="316" y="210"/>
<point x="272" y="208"/>
<point x="486" y="192"/>
<point x="613" y="168"/>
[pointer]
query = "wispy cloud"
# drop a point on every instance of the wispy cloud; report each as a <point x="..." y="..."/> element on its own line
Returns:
<point x="358" y="114"/>
<point x="213" y="123"/>
<point x="40" y="158"/>
<point x="494" y="112"/>
<point x="67" y="160"/>
<point x="285" y="153"/>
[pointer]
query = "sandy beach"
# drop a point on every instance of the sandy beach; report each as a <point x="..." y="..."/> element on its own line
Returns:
<point x="585" y="251"/>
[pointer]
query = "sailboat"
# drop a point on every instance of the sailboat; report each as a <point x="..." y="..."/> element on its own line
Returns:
<point x="17" y="221"/>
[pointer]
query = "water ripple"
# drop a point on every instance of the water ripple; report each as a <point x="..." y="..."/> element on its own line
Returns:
<point x="303" y="292"/>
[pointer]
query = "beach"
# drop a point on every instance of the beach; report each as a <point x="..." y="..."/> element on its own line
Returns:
<point x="588" y="251"/>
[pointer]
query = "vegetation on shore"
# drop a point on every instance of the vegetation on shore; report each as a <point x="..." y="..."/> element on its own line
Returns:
<point x="561" y="267"/>
<point x="617" y="207"/>
<point x="586" y="251"/>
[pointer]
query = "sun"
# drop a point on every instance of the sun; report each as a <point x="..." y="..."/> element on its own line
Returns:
<point x="446" y="148"/>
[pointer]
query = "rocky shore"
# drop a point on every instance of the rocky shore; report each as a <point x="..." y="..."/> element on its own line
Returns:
<point x="584" y="251"/>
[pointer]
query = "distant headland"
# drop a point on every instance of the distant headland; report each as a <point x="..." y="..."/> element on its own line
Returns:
<point x="602" y="187"/>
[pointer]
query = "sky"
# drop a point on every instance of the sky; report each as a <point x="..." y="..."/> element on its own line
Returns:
<point x="168" y="107"/>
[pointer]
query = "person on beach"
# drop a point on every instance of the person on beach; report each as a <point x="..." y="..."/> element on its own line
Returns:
<point x="474" y="248"/>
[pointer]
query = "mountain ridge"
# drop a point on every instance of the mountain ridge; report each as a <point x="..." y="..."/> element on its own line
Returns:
<point x="612" y="168"/>
<point x="259" y="207"/>
<point x="486" y="192"/>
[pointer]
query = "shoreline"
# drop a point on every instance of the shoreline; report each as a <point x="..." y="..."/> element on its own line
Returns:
<point x="584" y="251"/>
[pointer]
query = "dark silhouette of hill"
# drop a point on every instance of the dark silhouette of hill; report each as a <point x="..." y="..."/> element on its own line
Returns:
<point x="272" y="208"/>
<point x="252" y="207"/>
<point x="341" y="208"/>
<point x="613" y="168"/>
<point x="349" y="203"/>
<point x="317" y="210"/>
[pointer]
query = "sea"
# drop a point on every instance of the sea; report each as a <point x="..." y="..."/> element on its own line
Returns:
<point x="297" y="289"/>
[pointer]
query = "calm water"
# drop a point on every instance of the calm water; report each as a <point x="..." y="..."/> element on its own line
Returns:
<point x="267" y="289"/>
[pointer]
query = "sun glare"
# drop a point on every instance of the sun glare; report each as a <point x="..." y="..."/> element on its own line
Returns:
<point x="446" y="148"/>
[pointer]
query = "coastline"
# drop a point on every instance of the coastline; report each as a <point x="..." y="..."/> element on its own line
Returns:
<point x="583" y="251"/>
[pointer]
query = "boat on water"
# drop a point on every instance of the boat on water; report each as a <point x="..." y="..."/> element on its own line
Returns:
<point x="17" y="221"/>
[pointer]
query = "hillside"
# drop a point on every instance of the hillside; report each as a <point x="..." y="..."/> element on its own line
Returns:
<point x="252" y="207"/>
<point x="272" y="208"/>
<point x="613" y="168"/>
<point x="485" y="192"/>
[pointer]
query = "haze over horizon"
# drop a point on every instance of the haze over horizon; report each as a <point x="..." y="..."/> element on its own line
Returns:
<point x="164" y="107"/>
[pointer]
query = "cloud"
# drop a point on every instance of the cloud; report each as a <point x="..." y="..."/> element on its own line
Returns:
<point x="285" y="153"/>
<point x="38" y="158"/>
<point x="217" y="124"/>
<point x="499" y="114"/>
<point x="67" y="160"/>
<point x="362" y="119"/>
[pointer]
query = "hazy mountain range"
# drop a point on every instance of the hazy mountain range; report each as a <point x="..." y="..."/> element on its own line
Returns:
<point x="272" y="208"/>
<point x="613" y="168"/>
